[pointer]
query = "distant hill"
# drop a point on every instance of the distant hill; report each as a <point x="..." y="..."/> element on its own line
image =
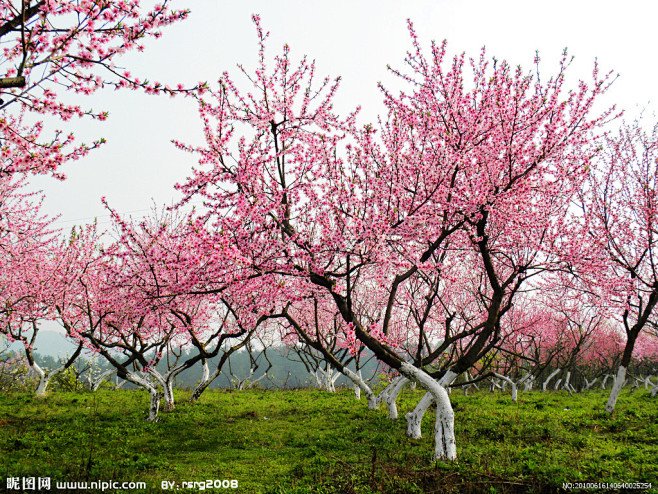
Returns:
<point x="51" y="342"/>
<point x="287" y="370"/>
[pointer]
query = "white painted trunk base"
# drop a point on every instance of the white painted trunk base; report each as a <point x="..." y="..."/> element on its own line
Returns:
<point x="45" y="378"/>
<point x="361" y="385"/>
<point x="589" y="384"/>
<point x="94" y="385"/>
<point x="155" y="406"/>
<point x="415" y="418"/>
<point x="326" y="379"/>
<point x="392" y="396"/>
<point x="445" y="446"/>
<point x="616" y="388"/>
<point x="169" y="395"/>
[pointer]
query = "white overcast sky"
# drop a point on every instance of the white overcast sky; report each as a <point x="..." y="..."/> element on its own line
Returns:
<point x="353" y="39"/>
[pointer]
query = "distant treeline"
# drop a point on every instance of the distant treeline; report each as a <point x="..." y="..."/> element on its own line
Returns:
<point x="287" y="371"/>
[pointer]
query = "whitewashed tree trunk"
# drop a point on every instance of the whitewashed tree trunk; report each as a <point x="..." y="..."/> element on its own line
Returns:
<point x="252" y="383"/>
<point x="169" y="394"/>
<point x="589" y="384"/>
<point x="466" y="387"/>
<point x="605" y="378"/>
<point x="557" y="384"/>
<point x="166" y="382"/>
<point x="94" y="385"/>
<point x="205" y="371"/>
<point x="316" y="376"/>
<point x="384" y="394"/>
<point x="156" y="396"/>
<point x="548" y="379"/>
<point x="45" y="378"/>
<point x="616" y="388"/>
<point x="240" y="383"/>
<point x="507" y="380"/>
<point x="654" y="390"/>
<point x="154" y="407"/>
<point x="246" y="382"/>
<point x="647" y="382"/>
<point x="445" y="446"/>
<point x="206" y="380"/>
<point x="357" y="391"/>
<point x="392" y="396"/>
<point x="514" y="385"/>
<point x="565" y="385"/>
<point x="415" y="418"/>
<point x="326" y="379"/>
<point x="361" y="385"/>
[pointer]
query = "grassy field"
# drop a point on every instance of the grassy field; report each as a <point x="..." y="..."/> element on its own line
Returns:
<point x="309" y="441"/>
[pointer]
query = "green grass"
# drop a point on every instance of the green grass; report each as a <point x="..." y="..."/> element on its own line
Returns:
<point x="310" y="441"/>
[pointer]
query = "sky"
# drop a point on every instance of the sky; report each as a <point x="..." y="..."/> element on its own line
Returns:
<point x="138" y="166"/>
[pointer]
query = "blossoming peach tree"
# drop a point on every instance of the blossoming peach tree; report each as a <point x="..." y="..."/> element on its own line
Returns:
<point x="620" y="217"/>
<point x="477" y="161"/>
<point x="52" y="47"/>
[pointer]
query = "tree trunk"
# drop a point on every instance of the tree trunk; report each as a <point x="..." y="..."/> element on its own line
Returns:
<point x="206" y="380"/>
<point x="415" y="418"/>
<point x="616" y="388"/>
<point x="514" y="385"/>
<point x="589" y="384"/>
<point x="357" y="391"/>
<point x="392" y="396"/>
<point x="384" y="394"/>
<point x="155" y="406"/>
<point x="45" y="378"/>
<point x="94" y="385"/>
<point x="361" y="385"/>
<point x="153" y="391"/>
<point x="548" y="379"/>
<point x="445" y="447"/>
<point x="168" y="395"/>
<point x="326" y="379"/>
